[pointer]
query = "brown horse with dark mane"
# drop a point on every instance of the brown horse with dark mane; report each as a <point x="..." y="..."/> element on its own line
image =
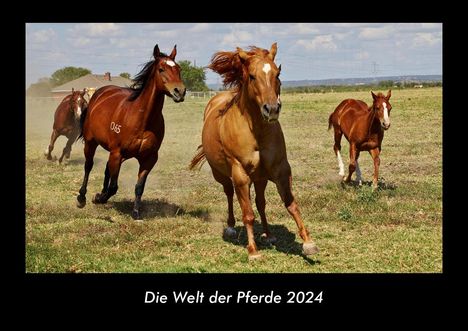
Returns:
<point x="67" y="122"/>
<point x="363" y="127"/>
<point x="128" y="122"/>
<point x="243" y="141"/>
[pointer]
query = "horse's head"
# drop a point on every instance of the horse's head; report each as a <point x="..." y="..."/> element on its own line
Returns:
<point x="382" y="107"/>
<point x="167" y="73"/>
<point x="78" y="102"/>
<point x="261" y="80"/>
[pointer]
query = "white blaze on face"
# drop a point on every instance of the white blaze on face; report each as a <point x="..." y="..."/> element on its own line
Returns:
<point x="385" y="114"/>
<point x="340" y="163"/>
<point x="170" y="63"/>
<point x="266" y="69"/>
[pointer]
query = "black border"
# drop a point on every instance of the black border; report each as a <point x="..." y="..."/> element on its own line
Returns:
<point x="379" y="293"/>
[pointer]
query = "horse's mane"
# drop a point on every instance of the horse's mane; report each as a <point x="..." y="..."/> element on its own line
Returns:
<point x="229" y="66"/>
<point x="141" y="79"/>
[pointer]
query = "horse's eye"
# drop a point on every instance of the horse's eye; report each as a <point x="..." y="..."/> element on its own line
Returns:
<point x="161" y="69"/>
<point x="252" y="77"/>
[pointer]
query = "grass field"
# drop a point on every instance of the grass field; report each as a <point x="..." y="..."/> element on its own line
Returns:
<point x="396" y="229"/>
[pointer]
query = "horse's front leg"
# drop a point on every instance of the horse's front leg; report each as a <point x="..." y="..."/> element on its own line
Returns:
<point x="242" y="184"/>
<point x="375" y="153"/>
<point x="145" y="168"/>
<point x="283" y="181"/>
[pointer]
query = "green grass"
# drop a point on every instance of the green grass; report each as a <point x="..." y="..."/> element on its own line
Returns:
<point x="395" y="229"/>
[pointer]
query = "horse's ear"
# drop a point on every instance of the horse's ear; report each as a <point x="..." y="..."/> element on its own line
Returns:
<point x="279" y="68"/>
<point x="156" y="51"/>
<point x="373" y="95"/>
<point x="243" y="55"/>
<point x="73" y="90"/>
<point x="389" y="94"/>
<point x="173" y="53"/>
<point x="273" y="50"/>
<point x="85" y="90"/>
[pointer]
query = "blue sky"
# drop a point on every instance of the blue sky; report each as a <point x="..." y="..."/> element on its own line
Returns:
<point x="305" y="50"/>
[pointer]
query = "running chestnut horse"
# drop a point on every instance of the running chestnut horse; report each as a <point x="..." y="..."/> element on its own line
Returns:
<point x="128" y="122"/>
<point x="364" y="128"/>
<point x="67" y="122"/>
<point x="243" y="141"/>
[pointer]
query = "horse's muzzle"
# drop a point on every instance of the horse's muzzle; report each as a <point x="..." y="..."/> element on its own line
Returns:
<point x="270" y="112"/>
<point x="178" y="94"/>
<point x="385" y="126"/>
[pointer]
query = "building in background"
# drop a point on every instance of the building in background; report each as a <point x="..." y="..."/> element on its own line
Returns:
<point x="91" y="82"/>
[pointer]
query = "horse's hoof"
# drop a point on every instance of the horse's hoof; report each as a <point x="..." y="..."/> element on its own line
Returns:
<point x="230" y="232"/>
<point x="309" y="248"/>
<point x="80" y="201"/>
<point x="136" y="216"/>
<point x="97" y="199"/>
<point x="360" y="183"/>
<point x="271" y="239"/>
<point x="255" y="256"/>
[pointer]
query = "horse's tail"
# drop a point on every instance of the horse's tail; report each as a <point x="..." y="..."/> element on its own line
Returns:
<point x="84" y="112"/>
<point x="330" y="122"/>
<point x="198" y="159"/>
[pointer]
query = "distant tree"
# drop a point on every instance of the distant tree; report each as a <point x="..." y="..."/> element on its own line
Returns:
<point x="125" y="75"/>
<point x="193" y="77"/>
<point x="40" y="89"/>
<point x="386" y="83"/>
<point x="67" y="74"/>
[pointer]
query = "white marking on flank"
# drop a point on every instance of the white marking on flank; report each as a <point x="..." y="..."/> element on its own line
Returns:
<point x="385" y="114"/>
<point x="170" y="63"/>
<point x="266" y="68"/>
<point x="340" y="163"/>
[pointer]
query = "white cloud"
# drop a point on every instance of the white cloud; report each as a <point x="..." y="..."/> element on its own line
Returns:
<point x="42" y="36"/>
<point x="362" y="55"/>
<point x="324" y="42"/>
<point x="200" y="27"/>
<point x="303" y="28"/>
<point x="426" y="39"/>
<point x="96" y="29"/>
<point x="236" y="37"/>
<point x="80" y="41"/>
<point x="376" y="33"/>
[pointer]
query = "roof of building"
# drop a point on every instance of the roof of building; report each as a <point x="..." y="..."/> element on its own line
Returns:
<point x="92" y="80"/>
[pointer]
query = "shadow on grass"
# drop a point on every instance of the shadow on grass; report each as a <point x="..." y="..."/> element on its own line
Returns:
<point x="382" y="185"/>
<point x="156" y="208"/>
<point x="285" y="240"/>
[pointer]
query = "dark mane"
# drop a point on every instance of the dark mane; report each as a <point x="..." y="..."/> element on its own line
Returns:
<point x="141" y="79"/>
<point x="229" y="66"/>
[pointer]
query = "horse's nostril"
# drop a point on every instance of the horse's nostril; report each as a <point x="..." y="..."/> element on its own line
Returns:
<point x="266" y="108"/>
<point x="176" y="90"/>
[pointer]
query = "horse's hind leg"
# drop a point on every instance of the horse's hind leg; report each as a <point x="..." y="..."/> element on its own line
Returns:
<point x="337" y="150"/>
<point x="261" y="203"/>
<point x="145" y="168"/>
<point x="67" y="149"/>
<point x="114" y="163"/>
<point x="353" y="152"/>
<point x="89" y="150"/>
<point x="229" y="191"/>
<point x="53" y="138"/>
<point x="105" y="185"/>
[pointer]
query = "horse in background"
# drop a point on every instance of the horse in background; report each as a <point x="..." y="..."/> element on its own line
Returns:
<point x="128" y="122"/>
<point x="243" y="141"/>
<point x="67" y="122"/>
<point x="364" y="128"/>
